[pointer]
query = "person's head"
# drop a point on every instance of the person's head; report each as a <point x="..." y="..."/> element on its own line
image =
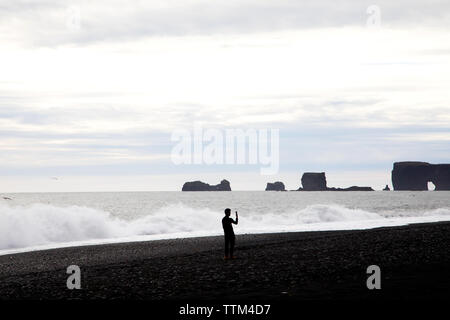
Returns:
<point x="227" y="212"/>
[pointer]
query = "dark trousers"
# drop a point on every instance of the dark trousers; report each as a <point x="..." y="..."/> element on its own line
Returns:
<point x="229" y="244"/>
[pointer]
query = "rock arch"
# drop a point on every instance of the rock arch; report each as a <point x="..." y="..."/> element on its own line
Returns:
<point x="415" y="175"/>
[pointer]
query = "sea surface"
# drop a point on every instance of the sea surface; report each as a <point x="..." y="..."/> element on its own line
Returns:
<point x="34" y="221"/>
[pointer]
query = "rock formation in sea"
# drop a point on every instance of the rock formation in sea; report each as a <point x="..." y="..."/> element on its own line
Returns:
<point x="415" y="175"/>
<point x="352" y="188"/>
<point x="224" y="185"/>
<point x="276" y="186"/>
<point x="316" y="181"/>
<point x="387" y="188"/>
<point x="441" y="177"/>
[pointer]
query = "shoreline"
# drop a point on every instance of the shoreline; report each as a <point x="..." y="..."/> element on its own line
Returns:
<point x="293" y="265"/>
<point x="337" y="227"/>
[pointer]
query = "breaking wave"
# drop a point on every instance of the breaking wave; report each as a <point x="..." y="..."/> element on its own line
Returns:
<point x="42" y="225"/>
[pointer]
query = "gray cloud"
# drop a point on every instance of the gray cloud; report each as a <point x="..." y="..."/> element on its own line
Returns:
<point x="44" y="22"/>
<point x="79" y="128"/>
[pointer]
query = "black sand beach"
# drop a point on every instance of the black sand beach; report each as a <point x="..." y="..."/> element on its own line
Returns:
<point x="414" y="262"/>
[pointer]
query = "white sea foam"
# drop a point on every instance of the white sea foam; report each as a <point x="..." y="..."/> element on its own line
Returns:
<point x="41" y="226"/>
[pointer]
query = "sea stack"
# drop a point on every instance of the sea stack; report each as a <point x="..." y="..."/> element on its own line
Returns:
<point x="224" y="185"/>
<point x="314" y="181"/>
<point x="415" y="175"/>
<point x="276" y="186"/>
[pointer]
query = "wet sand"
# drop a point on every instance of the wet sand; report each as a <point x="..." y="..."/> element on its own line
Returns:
<point x="414" y="262"/>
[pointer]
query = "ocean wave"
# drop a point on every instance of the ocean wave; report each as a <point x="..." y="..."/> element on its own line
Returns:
<point x="43" y="224"/>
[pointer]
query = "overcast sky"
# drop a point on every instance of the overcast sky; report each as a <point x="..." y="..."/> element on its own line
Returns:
<point x="91" y="91"/>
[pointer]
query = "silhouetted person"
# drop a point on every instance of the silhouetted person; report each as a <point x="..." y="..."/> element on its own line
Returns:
<point x="229" y="233"/>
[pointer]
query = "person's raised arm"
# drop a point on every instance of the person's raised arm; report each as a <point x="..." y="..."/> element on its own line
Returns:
<point x="237" y="217"/>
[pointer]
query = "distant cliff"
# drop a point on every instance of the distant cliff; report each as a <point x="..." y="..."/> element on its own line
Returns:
<point x="224" y="185"/>
<point x="316" y="181"/>
<point x="415" y="175"/>
<point x="276" y="186"/>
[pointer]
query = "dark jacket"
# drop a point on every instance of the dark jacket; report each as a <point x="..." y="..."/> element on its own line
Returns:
<point x="227" y="225"/>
